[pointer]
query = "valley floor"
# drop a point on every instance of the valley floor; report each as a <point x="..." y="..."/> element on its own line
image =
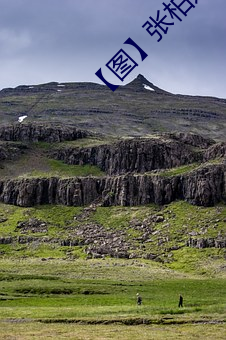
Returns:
<point x="36" y="331"/>
<point x="96" y="299"/>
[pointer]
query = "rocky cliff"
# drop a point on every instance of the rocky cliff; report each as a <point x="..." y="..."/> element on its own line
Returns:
<point x="11" y="151"/>
<point x="37" y="132"/>
<point x="205" y="186"/>
<point x="215" y="151"/>
<point x="132" y="155"/>
<point x="134" y="169"/>
<point x="191" y="139"/>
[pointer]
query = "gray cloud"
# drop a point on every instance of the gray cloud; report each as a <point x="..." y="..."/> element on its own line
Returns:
<point x="54" y="40"/>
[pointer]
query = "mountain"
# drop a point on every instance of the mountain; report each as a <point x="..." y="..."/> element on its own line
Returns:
<point x="139" y="108"/>
<point x="103" y="195"/>
<point x="141" y="84"/>
<point x="149" y="162"/>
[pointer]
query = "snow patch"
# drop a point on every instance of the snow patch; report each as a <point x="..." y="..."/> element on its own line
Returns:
<point x="61" y="85"/>
<point x="31" y="87"/>
<point x="148" y="87"/>
<point x="21" y="118"/>
<point x="59" y="90"/>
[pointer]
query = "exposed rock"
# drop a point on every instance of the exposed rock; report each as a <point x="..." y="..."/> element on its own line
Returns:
<point x="204" y="186"/>
<point x="159" y="218"/>
<point x="151" y="256"/>
<point x="138" y="85"/>
<point x="32" y="225"/>
<point x="6" y="240"/>
<point x="101" y="242"/>
<point x="70" y="243"/>
<point x="11" y="151"/>
<point x="192" y="139"/>
<point x="215" y="151"/>
<point x="207" y="243"/>
<point x="125" y="162"/>
<point x="131" y="106"/>
<point x="135" y="155"/>
<point x="85" y="214"/>
<point x="34" y="133"/>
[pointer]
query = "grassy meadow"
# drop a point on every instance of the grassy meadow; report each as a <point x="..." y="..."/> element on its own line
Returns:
<point x="52" y="291"/>
<point x="96" y="299"/>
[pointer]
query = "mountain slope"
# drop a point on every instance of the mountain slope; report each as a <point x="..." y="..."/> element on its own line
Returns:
<point x="132" y="110"/>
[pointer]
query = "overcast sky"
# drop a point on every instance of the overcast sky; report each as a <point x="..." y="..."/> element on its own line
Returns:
<point x="69" y="40"/>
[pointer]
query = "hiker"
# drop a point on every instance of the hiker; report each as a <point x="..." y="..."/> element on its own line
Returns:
<point x="180" y="301"/>
<point x="139" y="299"/>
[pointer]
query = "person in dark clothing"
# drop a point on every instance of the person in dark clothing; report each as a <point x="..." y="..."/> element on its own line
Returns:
<point x="139" y="299"/>
<point x="180" y="301"/>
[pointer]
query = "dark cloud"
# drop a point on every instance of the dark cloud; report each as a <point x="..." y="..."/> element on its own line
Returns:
<point x="54" y="40"/>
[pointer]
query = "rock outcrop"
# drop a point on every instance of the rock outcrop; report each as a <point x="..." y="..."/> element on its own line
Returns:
<point x="132" y="166"/>
<point x="219" y="242"/>
<point x="205" y="186"/>
<point x="11" y="151"/>
<point x="191" y="139"/>
<point x="139" y="155"/>
<point x="215" y="151"/>
<point x="37" y="132"/>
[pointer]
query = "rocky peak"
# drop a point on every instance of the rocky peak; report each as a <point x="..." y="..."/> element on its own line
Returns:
<point x="140" y="83"/>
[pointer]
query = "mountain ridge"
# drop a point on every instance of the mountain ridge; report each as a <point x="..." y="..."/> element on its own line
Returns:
<point x="135" y="84"/>
<point x="137" y="109"/>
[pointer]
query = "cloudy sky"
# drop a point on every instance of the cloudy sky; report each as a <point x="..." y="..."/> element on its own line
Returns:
<point x="69" y="40"/>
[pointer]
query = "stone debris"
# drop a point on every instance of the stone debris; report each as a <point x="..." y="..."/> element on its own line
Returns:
<point x="33" y="225"/>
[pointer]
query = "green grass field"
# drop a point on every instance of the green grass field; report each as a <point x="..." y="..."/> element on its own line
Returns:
<point x="38" y="331"/>
<point x="53" y="291"/>
<point x="60" y="169"/>
<point x="96" y="299"/>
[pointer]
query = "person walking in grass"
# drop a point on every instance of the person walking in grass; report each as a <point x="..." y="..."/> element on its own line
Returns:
<point x="139" y="299"/>
<point x="180" y="301"/>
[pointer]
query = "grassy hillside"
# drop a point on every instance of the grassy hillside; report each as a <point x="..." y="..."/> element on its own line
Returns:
<point x="168" y="239"/>
<point x="35" y="162"/>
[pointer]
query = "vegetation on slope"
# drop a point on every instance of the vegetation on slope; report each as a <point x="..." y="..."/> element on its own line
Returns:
<point x="35" y="162"/>
<point x="179" y="221"/>
<point x="47" y="288"/>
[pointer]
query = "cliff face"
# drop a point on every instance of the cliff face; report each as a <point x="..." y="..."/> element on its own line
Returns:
<point x="36" y="133"/>
<point x="215" y="151"/>
<point x="191" y="139"/>
<point x="10" y="151"/>
<point x="131" y="155"/>
<point x="204" y="187"/>
<point x="125" y="163"/>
